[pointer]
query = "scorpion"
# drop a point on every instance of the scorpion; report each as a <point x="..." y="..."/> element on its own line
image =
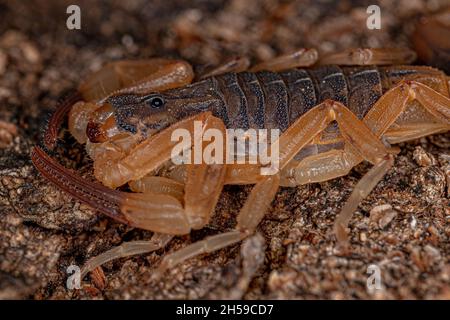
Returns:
<point x="333" y="113"/>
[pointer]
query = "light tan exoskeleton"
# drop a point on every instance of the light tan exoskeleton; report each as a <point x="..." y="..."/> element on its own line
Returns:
<point x="332" y="117"/>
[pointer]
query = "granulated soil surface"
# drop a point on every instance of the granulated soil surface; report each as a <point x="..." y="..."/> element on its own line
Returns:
<point x="294" y="254"/>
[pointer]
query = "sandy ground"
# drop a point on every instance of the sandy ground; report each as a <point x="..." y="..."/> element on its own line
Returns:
<point x="294" y="254"/>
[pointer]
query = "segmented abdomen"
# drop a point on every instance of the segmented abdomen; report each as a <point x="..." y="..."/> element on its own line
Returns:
<point x="275" y="100"/>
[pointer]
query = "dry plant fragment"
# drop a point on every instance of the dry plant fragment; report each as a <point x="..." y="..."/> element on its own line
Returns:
<point x="98" y="278"/>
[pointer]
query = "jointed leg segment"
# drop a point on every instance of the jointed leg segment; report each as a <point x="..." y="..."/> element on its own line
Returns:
<point x="361" y="190"/>
<point x="204" y="182"/>
<point x="353" y="130"/>
<point x="366" y="145"/>
<point x="297" y="59"/>
<point x="382" y="56"/>
<point x="389" y="107"/>
<point x="248" y="219"/>
<point x="127" y="249"/>
<point x="138" y="76"/>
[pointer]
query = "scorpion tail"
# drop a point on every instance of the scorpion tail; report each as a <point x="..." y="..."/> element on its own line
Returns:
<point x="95" y="195"/>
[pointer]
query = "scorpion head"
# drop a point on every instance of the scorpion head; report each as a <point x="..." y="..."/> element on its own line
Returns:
<point x="149" y="113"/>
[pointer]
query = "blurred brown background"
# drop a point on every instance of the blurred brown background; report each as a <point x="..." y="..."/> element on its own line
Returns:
<point x="42" y="231"/>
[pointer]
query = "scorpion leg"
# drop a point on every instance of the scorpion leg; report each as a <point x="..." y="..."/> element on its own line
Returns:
<point x="290" y="143"/>
<point x="158" y="241"/>
<point x="243" y="174"/>
<point x="389" y="107"/>
<point x="337" y="163"/>
<point x="361" y="143"/>
<point x="361" y="190"/>
<point x="299" y="58"/>
<point x="297" y="136"/>
<point x="382" y="56"/>
<point x="380" y="117"/>
<point x="248" y="219"/>
<point x="237" y="64"/>
<point x="357" y="134"/>
<point x="160" y="185"/>
<point x="414" y="131"/>
<point x="318" y="168"/>
<point x="367" y="145"/>
<point x="204" y="182"/>
<point x="137" y="76"/>
<point x="302" y="132"/>
<point x="353" y="130"/>
<point x="434" y="102"/>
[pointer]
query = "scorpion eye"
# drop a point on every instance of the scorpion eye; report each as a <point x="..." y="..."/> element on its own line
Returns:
<point x="156" y="102"/>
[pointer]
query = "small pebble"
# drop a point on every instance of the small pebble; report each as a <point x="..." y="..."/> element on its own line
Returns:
<point x="432" y="253"/>
<point x="30" y="52"/>
<point x="363" y="236"/>
<point x="417" y="258"/>
<point x="413" y="222"/>
<point x="382" y="215"/>
<point x="423" y="158"/>
<point x="434" y="235"/>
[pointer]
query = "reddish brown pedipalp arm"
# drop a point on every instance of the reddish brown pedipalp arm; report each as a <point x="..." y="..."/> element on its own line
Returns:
<point x="57" y="118"/>
<point x="95" y="195"/>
